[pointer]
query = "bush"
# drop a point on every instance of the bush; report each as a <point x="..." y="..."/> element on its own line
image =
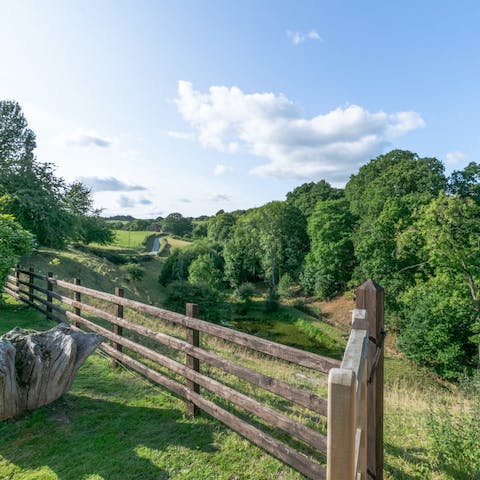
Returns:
<point x="456" y="433"/>
<point x="14" y="242"/>
<point x="437" y="326"/>
<point x="211" y="302"/>
<point x="286" y="286"/>
<point x="133" y="272"/>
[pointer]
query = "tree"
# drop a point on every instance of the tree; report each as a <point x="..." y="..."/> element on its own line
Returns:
<point x="267" y="241"/>
<point x="177" y="224"/>
<point x="35" y="194"/>
<point x="203" y="271"/>
<point x="448" y="233"/>
<point x="330" y="262"/>
<point x="306" y="196"/>
<point x="219" y="228"/>
<point x="14" y="242"/>
<point x="383" y="197"/>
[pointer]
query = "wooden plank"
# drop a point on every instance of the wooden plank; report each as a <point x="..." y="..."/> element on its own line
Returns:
<point x="42" y="301"/>
<point x="290" y="354"/>
<point x="301" y="397"/>
<point x="341" y="425"/>
<point x="193" y="338"/>
<point x="35" y="275"/>
<point x="355" y="355"/>
<point x="273" y="417"/>
<point x="370" y="296"/>
<point x="274" y="447"/>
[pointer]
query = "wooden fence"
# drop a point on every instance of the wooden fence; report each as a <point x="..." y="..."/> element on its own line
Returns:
<point x="353" y="446"/>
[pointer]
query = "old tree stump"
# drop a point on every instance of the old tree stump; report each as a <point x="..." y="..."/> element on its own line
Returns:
<point x="37" y="368"/>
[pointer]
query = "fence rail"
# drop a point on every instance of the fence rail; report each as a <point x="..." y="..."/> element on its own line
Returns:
<point x="348" y="446"/>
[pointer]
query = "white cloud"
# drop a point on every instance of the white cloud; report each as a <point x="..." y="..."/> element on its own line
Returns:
<point x="221" y="169"/>
<point x="124" y="201"/>
<point x="219" y="197"/>
<point x="455" y="159"/>
<point x="88" y="138"/>
<point x="330" y="145"/>
<point x="299" y="37"/>
<point x="108" y="184"/>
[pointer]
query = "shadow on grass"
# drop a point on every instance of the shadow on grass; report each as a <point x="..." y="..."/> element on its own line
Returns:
<point x="76" y="437"/>
<point x="413" y="456"/>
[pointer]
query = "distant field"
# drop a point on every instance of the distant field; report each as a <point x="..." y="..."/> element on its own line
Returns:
<point x="130" y="239"/>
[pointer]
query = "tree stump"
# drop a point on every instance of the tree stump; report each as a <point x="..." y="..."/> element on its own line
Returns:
<point x="37" y="368"/>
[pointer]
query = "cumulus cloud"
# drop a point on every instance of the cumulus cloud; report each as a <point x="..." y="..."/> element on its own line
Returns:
<point x="184" y="200"/>
<point x="455" y="159"/>
<point x="330" y="145"/>
<point x="219" y="197"/>
<point x="89" y="138"/>
<point x="108" y="184"/>
<point x="221" y="169"/>
<point x="299" y="37"/>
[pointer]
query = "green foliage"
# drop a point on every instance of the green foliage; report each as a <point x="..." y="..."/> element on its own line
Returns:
<point x="177" y="264"/>
<point x="272" y="303"/>
<point x="220" y="227"/>
<point x="245" y="291"/>
<point x="133" y="272"/>
<point x="266" y="242"/>
<point x="204" y="271"/>
<point x="93" y="229"/>
<point x="456" y="433"/>
<point x="306" y="196"/>
<point x="436" y="330"/>
<point x="286" y="286"/>
<point x="383" y="196"/>
<point x="14" y="242"/>
<point x="211" y="301"/>
<point x="177" y="224"/>
<point x="329" y="264"/>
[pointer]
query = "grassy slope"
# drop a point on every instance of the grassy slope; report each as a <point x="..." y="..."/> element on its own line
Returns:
<point x="114" y="425"/>
<point x="410" y="394"/>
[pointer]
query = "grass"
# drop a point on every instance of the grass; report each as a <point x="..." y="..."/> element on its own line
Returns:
<point x="113" y="424"/>
<point x="130" y="239"/>
<point x="140" y="431"/>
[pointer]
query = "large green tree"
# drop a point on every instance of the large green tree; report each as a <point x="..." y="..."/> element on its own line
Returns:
<point x="267" y="241"/>
<point x="383" y="196"/>
<point x="329" y="264"/>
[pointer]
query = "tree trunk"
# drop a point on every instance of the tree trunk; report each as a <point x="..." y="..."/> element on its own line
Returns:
<point x="37" y="368"/>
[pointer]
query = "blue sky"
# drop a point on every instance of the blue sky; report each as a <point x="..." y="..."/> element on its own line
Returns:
<point x="195" y="106"/>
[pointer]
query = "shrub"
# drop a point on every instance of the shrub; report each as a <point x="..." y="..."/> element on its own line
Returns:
<point x="286" y="286"/>
<point x="133" y="272"/>
<point x="272" y="302"/>
<point x="14" y="242"/>
<point x="211" y="302"/>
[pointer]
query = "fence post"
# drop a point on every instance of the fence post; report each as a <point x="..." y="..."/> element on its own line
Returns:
<point x="117" y="329"/>
<point x="49" y="296"/>
<point x="77" y="296"/>
<point x="193" y="338"/>
<point x="17" y="275"/>
<point x="341" y="424"/>
<point x="370" y="296"/>
<point x="30" y="283"/>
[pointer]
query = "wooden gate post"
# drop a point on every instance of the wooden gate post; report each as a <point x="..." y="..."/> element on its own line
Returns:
<point x="370" y="296"/>
<point x="341" y="424"/>
<point x="117" y="329"/>
<point x="193" y="337"/>
<point x="17" y="275"/>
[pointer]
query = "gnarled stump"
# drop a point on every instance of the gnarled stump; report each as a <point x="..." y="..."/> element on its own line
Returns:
<point x="37" y="368"/>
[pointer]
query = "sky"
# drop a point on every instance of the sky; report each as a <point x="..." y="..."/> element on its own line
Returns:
<point x="196" y="106"/>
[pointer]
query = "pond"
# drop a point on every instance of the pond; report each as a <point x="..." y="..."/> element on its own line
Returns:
<point x="287" y="332"/>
